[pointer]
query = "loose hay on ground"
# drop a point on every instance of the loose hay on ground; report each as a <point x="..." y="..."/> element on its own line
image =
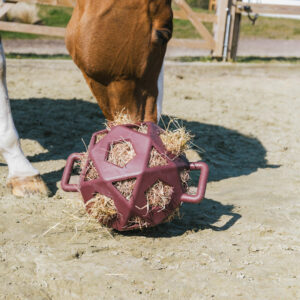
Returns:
<point x="138" y="221"/>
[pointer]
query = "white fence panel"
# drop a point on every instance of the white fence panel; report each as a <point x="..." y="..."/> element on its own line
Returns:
<point x="277" y="2"/>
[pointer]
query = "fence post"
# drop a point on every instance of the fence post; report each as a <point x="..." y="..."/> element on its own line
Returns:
<point x="234" y="32"/>
<point x="219" y="28"/>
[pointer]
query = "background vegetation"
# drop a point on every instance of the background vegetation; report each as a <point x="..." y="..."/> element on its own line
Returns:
<point x="264" y="28"/>
<point x="199" y="3"/>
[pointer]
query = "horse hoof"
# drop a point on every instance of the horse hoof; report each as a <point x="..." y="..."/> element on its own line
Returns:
<point x="27" y="186"/>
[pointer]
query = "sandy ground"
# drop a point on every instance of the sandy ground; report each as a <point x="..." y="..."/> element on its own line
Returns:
<point x="247" y="47"/>
<point x="241" y="242"/>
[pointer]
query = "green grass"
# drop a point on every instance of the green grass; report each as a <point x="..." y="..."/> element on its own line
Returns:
<point x="18" y="35"/>
<point x="278" y="59"/>
<point x="241" y="59"/>
<point x="192" y="59"/>
<point x="269" y="28"/>
<point x="55" y="16"/>
<point x="272" y="28"/>
<point x="183" y="29"/>
<point x="264" y="27"/>
<point x="37" y="56"/>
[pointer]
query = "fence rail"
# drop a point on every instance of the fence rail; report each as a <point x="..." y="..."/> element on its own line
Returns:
<point x="184" y="12"/>
<point x="223" y="43"/>
<point x="66" y="3"/>
<point x="32" y="29"/>
<point x="259" y="8"/>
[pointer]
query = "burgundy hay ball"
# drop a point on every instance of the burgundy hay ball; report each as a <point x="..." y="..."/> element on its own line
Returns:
<point x="129" y="187"/>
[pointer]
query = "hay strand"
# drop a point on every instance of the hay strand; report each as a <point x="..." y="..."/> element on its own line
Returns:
<point x="143" y="128"/>
<point x="120" y="118"/>
<point x="138" y="221"/>
<point x="159" y="195"/>
<point x="91" y="172"/>
<point x="99" y="137"/>
<point x="125" y="187"/>
<point x="156" y="159"/>
<point x="121" y="153"/>
<point x="185" y="178"/>
<point x="177" y="141"/>
<point x="102" y="208"/>
<point x="174" y="215"/>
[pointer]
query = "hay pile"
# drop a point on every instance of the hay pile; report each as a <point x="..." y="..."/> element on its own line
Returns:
<point x="102" y="208"/>
<point x="159" y="195"/>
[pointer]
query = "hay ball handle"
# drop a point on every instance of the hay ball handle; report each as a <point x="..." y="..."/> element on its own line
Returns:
<point x="201" y="185"/>
<point x="66" y="186"/>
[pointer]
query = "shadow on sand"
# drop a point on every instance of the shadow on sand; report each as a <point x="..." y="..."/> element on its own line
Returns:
<point x="194" y="217"/>
<point x="61" y="125"/>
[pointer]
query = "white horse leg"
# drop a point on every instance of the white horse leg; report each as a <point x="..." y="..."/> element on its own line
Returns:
<point x="160" y="85"/>
<point x="22" y="177"/>
<point x="10" y="148"/>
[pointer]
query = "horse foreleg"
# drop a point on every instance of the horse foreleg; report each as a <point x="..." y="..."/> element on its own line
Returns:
<point x="160" y="86"/>
<point x="22" y="177"/>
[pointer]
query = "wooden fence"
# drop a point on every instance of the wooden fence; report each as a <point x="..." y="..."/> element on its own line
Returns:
<point x="66" y="3"/>
<point x="222" y="43"/>
<point x="33" y="29"/>
<point x="209" y="41"/>
<point x="234" y="15"/>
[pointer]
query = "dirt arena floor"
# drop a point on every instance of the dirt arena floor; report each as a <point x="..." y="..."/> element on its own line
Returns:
<point x="241" y="242"/>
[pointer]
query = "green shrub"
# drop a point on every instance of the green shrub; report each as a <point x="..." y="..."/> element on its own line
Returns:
<point x="198" y="3"/>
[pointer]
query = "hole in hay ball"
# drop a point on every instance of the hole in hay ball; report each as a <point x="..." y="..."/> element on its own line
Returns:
<point x="102" y="208"/>
<point x="82" y="162"/>
<point x="91" y="172"/>
<point x="121" y="153"/>
<point x="125" y="187"/>
<point x="159" y="195"/>
<point x="185" y="178"/>
<point x="156" y="159"/>
<point x="99" y="137"/>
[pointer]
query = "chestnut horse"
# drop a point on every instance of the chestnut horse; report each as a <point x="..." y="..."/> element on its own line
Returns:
<point x="119" y="46"/>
